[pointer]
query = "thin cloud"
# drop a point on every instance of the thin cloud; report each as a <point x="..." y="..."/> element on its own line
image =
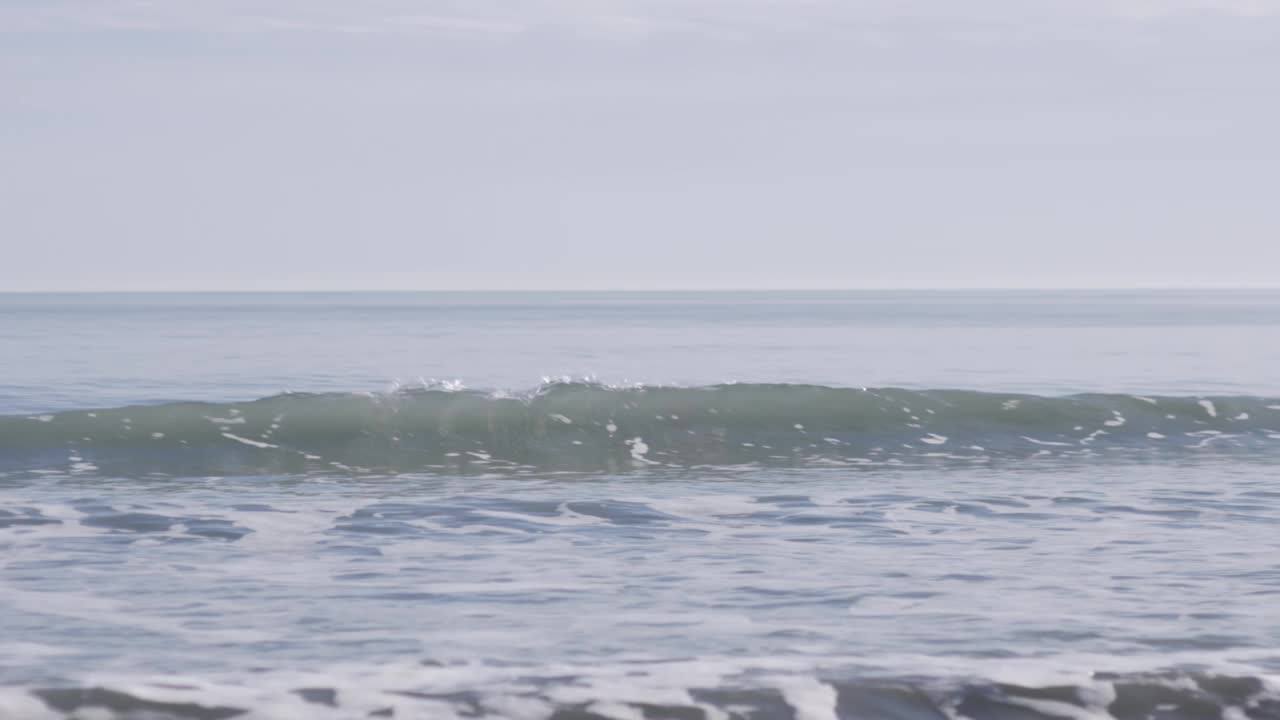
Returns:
<point x="618" y="17"/>
<point x="136" y="15"/>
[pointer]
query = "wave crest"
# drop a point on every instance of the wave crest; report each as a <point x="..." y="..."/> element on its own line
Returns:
<point x="592" y="427"/>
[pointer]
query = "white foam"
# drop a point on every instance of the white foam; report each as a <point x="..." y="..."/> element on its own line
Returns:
<point x="638" y="450"/>
<point x="1050" y="443"/>
<point x="703" y="507"/>
<point x="809" y="697"/>
<point x="1208" y="407"/>
<point x="565" y="516"/>
<point x="1092" y="436"/>
<point x="1058" y="709"/>
<point x="518" y="707"/>
<point x="614" y="689"/>
<point x="91" y="608"/>
<point x="17" y="703"/>
<point x="247" y="441"/>
<point x="615" y="710"/>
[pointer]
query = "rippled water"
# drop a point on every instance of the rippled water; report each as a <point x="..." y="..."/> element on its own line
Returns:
<point x="815" y="550"/>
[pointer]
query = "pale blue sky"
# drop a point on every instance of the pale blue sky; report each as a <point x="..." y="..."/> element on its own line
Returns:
<point x="638" y="144"/>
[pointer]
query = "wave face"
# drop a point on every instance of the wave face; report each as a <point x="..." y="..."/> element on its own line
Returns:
<point x="590" y="427"/>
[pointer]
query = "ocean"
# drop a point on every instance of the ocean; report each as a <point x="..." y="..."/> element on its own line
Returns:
<point x="998" y="505"/>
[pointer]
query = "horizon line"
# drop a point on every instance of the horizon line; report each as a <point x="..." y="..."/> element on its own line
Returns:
<point x="913" y="288"/>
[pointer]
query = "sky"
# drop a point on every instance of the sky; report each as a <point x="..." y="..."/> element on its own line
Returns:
<point x="638" y="144"/>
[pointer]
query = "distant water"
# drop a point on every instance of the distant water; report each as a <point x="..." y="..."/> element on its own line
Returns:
<point x="677" y="506"/>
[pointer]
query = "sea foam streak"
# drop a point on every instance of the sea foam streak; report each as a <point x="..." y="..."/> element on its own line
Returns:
<point x="590" y="427"/>
<point x="682" y="690"/>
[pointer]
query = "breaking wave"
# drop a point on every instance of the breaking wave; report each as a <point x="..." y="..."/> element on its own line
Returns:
<point x="592" y="427"/>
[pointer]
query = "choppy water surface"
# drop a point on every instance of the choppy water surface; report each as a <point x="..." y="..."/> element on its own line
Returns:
<point x="179" y="539"/>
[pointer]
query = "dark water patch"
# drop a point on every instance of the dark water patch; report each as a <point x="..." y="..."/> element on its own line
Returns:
<point x="123" y="705"/>
<point x="138" y="522"/>
<point x="24" y="517"/>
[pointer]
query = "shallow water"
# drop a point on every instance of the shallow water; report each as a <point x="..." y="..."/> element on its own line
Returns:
<point x="1067" y="508"/>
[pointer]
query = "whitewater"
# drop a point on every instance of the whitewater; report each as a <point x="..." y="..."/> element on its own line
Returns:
<point x="964" y="504"/>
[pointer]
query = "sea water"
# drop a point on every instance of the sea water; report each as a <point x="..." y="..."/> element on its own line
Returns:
<point x="576" y="506"/>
